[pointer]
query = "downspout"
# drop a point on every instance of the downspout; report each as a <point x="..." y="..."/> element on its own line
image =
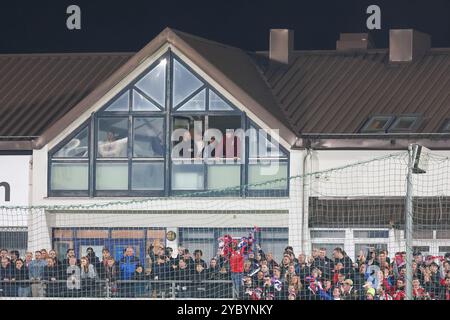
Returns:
<point x="305" y="157"/>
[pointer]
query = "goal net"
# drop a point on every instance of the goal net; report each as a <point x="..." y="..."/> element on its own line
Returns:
<point x="338" y="233"/>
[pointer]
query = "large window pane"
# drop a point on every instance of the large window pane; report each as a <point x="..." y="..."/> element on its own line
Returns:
<point x="78" y="147"/>
<point x="262" y="173"/>
<point x="69" y="176"/>
<point x="112" y="176"/>
<point x="184" y="143"/>
<point x="148" y="137"/>
<point x="187" y="176"/>
<point x="154" y="83"/>
<point x="231" y="144"/>
<point x="328" y="246"/>
<point x="184" y="83"/>
<point x="147" y="176"/>
<point x="366" y="247"/>
<point x="112" y="137"/>
<point x="262" y="145"/>
<point x="224" y="176"/>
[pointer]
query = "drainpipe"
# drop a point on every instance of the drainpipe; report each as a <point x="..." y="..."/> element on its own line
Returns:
<point x="305" y="157"/>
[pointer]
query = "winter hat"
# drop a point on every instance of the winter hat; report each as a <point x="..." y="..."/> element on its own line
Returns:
<point x="371" y="291"/>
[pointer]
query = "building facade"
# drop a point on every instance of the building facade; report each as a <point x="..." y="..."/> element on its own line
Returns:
<point x="98" y="129"/>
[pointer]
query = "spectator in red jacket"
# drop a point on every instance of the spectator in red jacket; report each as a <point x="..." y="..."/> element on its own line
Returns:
<point x="399" y="290"/>
<point x="236" y="260"/>
<point x="419" y="293"/>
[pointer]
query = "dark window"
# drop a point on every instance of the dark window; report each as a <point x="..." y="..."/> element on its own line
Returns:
<point x="405" y="123"/>
<point x="444" y="249"/>
<point x="316" y="234"/>
<point x="371" y="234"/>
<point x="377" y="124"/>
<point x="442" y="234"/>
<point x="446" y="126"/>
<point x="421" y="249"/>
<point x="14" y="239"/>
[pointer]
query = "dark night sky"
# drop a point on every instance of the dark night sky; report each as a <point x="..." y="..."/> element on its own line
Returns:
<point x="40" y="25"/>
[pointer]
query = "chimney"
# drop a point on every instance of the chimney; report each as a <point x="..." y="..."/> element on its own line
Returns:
<point x="281" y="45"/>
<point x="354" y="41"/>
<point x="407" y="45"/>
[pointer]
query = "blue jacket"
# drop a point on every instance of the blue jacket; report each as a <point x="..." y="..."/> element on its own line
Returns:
<point x="127" y="266"/>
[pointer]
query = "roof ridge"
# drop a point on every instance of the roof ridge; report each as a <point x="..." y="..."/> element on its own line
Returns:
<point x="212" y="42"/>
<point x="63" y="54"/>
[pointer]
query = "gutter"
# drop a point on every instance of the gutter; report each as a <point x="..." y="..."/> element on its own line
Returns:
<point x="372" y="142"/>
<point x="16" y="145"/>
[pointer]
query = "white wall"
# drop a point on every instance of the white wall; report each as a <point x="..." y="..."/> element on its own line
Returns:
<point x="15" y="171"/>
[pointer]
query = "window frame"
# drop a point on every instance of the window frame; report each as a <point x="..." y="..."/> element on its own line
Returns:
<point x="274" y="193"/>
<point x="168" y="113"/>
<point x="51" y="160"/>
<point x="365" y="127"/>
<point x="445" y="127"/>
<point x="416" y="123"/>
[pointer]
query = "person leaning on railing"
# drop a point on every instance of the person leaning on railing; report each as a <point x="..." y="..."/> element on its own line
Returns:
<point x="88" y="277"/>
<point x="142" y="287"/>
<point x="52" y="274"/>
<point x="73" y="276"/>
<point x="111" y="274"/>
<point x="36" y="269"/>
<point x="6" y="275"/>
<point x="21" y="274"/>
<point x="182" y="273"/>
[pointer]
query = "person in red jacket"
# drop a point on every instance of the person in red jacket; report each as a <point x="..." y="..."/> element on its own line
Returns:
<point x="399" y="290"/>
<point x="236" y="261"/>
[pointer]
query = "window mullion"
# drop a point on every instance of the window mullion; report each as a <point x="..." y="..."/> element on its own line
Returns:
<point x="92" y="155"/>
<point x="168" y="126"/>
<point x="130" y="149"/>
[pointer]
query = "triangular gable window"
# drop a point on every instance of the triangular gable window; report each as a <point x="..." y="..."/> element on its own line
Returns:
<point x="153" y="83"/>
<point x="122" y="103"/>
<point x="184" y="83"/>
<point x="196" y="103"/>
<point x="216" y="103"/>
<point x="140" y="103"/>
<point x="77" y="147"/>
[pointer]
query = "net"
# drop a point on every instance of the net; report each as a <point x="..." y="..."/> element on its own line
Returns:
<point x="338" y="234"/>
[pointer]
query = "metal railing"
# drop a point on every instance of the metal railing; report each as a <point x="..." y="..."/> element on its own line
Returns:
<point x="96" y="288"/>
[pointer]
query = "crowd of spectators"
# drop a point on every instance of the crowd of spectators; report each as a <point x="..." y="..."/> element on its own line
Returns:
<point x="240" y="272"/>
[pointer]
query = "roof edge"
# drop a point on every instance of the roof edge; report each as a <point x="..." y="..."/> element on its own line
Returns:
<point x="441" y="142"/>
<point x="171" y="37"/>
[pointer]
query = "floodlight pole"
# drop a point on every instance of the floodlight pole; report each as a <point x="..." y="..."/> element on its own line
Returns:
<point x="409" y="224"/>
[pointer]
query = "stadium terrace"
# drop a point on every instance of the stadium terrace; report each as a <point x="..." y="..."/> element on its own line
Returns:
<point x="309" y="186"/>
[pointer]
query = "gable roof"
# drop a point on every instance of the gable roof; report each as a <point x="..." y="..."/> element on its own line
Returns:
<point x="38" y="89"/>
<point x="319" y="93"/>
<point x="333" y="92"/>
<point x="224" y="64"/>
